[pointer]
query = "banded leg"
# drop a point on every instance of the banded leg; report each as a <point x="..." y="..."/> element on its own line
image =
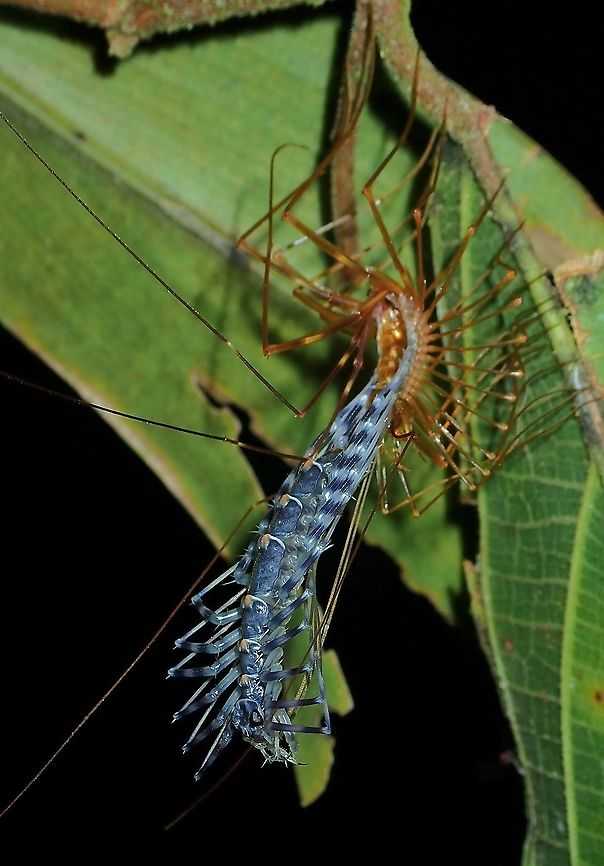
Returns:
<point x="212" y="646"/>
<point x="198" y="735"/>
<point x="286" y="612"/>
<point x="206" y="670"/>
<point x="221" y="616"/>
<point x="211" y="697"/>
<point x="284" y="638"/>
<point x="223" y="739"/>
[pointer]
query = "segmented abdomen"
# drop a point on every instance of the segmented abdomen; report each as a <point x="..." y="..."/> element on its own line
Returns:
<point x="277" y="576"/>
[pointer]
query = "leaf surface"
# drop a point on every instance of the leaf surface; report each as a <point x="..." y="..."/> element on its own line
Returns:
<point x="172" y="149"/>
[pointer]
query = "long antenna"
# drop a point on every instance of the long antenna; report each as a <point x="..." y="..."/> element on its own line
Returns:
<point x="153" y="273"/>
<point x="151" y="422"/>
<point x="158" y="632"/>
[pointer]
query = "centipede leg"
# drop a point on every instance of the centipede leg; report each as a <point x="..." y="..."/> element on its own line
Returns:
<point x="287" y="673"/>
<point x="324" y="729"/>
<point x="212" y="646"/>
<point x="294" y="703"/>
<point x="221" y="742"/>
<point x="284" y="638"/>
<point x="207" y="670"/>
<point x="216" y="618"/>
<point x="286" y="612"/>
<point x="200" y="733"/>
<point x="192" y="673"/>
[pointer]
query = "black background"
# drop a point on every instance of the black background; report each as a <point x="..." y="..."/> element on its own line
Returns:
<point x="419" y="763"/>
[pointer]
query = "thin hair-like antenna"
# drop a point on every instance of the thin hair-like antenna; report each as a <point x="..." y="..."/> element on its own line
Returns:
<point x="151" y="422"/>
<point x="107" y="694"/>
<point x="207" y="794"/>
<point x="147" y="267"/>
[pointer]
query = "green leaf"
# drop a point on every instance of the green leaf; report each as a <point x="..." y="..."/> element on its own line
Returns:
<point x="582" y="691"/>
<point x="538" y="515"/>
<point x="581" y="286"/>
<point x="539" y="546"/>
<point x="316" y="754"/>
<point x="144" y="149"/>
<point x="528" y="517"/>
<point x="172" y="150"/>
<point x="529" y="514"/>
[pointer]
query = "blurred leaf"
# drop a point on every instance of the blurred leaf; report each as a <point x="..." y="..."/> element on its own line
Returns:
<point x="129" y="21"/>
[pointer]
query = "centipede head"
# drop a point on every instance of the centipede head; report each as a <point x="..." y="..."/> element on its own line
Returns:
<point x="250" y="720"/>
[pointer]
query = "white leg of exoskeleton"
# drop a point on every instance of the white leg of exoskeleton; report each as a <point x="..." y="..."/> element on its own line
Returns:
<point x="199" y="725"/>
<point x="212" y="749"/>
<point x="216" y="582"/>
<point x="213" y="616"/>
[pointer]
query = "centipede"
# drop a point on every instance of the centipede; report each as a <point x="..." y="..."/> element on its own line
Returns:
<point x="468" y="446"/>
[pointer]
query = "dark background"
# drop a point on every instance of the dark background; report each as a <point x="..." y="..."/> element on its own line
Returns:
<point x="420" y="763"/>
